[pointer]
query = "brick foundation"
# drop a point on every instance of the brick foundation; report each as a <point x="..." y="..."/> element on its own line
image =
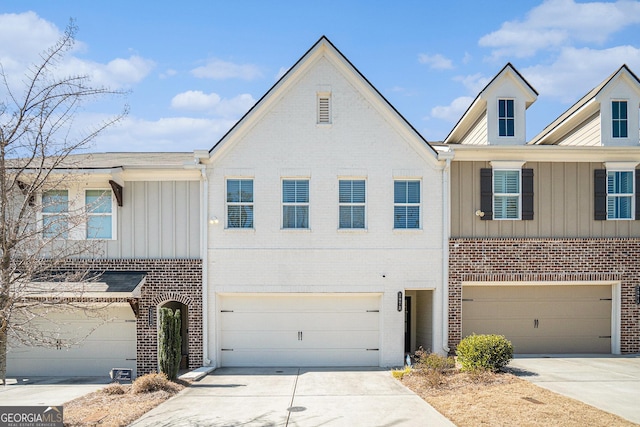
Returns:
<point x="167" y="280"/>
<point x="547" y="260"/>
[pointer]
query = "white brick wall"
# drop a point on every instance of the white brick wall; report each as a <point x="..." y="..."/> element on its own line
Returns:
<point x="360" y="143"/>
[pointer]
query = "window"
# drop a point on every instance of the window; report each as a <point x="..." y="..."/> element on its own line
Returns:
<point x="98" y="204"/>
<point x="406" y="204"/>
<point x="55" y="207"/>
<point x="506" y="194"/>
<point x="352" y="203"/>
<point x="239" y="203"/>
<point x="619" y="119"/>
<point x="324" y="109"/>
<point x="295" y="203"/>
<point x="620" y="194"/>
<point x="506" y="118"/>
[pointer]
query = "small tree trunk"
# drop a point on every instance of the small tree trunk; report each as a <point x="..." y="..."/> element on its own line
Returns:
<point x="3" y="350"/>
<point x="169" y="342"/>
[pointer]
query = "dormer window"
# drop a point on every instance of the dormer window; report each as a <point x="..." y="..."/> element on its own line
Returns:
<point x="619" y="121"/>
<point x="506" y="118"/>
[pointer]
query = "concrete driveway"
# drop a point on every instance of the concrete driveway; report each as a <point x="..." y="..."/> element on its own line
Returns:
<point x="295" y="397"/>
<point x="49" y="391"/>
<point x="611" y="383"/>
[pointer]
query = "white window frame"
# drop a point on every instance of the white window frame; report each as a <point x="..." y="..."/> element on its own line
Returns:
<point x="506" y="117"/>
<point x="630" y="195"/>
<point x="620" y="120"/>
<point x="296" y="204"/>
<point x="352" y="204"/>
<point x="501" y="165"/>
<point x="110" y="214"/>
<point x="240" y="203"/>
<point x="408" y="204"/>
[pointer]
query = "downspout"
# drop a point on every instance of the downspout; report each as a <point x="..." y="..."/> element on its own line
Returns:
<point x="204" y="249"/>
<point x="446" y="231"/>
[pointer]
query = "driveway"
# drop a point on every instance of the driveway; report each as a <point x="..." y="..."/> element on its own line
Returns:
<point x="49" y="391"/>
<point x="295" y="397"/>
<point x="611" y="383"/>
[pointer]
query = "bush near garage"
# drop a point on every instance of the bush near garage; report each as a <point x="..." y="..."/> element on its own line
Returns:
<point x="484" y="353"/>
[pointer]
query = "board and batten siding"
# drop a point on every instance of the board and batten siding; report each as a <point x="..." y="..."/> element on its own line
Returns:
<point x="563" y="205"/>
<point x="158" y="219"/>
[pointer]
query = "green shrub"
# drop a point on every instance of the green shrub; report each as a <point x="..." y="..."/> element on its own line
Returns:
<point x="169" y="342"/>
<point x="484" y="352"/>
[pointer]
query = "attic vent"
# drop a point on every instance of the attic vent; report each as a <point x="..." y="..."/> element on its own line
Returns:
<point x="324" y="109"/>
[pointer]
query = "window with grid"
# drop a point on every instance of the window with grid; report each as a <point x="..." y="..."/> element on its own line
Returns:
<point x="55" y="208"/>
<point x="352" y="203"/>
<point x="295" y="203"/>
<point x="406" y="204"/>
<point x="506" y="194"/>
<point x="239" y="203"/>
<point x="506" y="117"/>
<point x="619" y="119"/>
<point x="99" y="207"/>
<point x="620" y="193"/>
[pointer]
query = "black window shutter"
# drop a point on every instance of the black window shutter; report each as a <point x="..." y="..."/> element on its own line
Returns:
<point x="600" y="194"/>
<point x="527" y="194"/>
<point x="486" y="193"/>
<point x="637" y="193"/>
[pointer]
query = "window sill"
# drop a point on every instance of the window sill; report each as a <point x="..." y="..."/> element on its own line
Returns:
<point x="296" y="230"/>
<point x="353" y="230"/>
<point x="407" y="230"/>
<point x="240" y="230"/>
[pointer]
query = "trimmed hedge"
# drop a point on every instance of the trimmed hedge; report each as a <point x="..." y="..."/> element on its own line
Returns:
<point x="484" y="352"/>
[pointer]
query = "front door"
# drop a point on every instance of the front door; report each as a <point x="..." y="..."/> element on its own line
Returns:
<point x="407" y="324"/>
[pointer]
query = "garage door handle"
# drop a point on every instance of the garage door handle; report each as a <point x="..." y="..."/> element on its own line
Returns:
<point x="299" y="335"/>
<point x="535" y="323"/>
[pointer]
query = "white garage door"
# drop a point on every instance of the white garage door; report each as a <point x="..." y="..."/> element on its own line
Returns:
<point x="541" y="319"/>
<point x="299" y="330"/>
<point x="111" y="343"/>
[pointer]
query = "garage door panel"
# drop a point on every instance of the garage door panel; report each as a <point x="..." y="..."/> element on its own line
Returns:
<point x="299" y="330"/>
<point x="309" y="358"/>
<point x="542" y="318"/>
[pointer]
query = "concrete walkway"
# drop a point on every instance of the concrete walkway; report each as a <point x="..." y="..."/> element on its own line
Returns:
<point x="610" y="383"/>
<point x="295" y="397"/>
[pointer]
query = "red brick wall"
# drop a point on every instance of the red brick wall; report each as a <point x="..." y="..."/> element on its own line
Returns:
<point x="167" y="279"/>
<point x="547" y="260"/>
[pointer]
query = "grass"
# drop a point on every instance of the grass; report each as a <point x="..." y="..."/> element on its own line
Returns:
<point x="501" y="399"/>
<point x="119" y="405"/>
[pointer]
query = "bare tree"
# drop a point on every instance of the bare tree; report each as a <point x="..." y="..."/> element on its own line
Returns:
<point x="39" y="149"/>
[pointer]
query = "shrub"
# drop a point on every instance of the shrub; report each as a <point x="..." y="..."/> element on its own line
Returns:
<point x="399" y="373"/>
<point x="433" y="361"/>
<point x="115" y="388"/>
<point x="154" y="382"/>
<point x="484" y="352"/>
<point x="169" y="342"/>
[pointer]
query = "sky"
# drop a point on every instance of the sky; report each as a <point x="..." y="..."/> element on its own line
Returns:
<point x="191" y="69"/>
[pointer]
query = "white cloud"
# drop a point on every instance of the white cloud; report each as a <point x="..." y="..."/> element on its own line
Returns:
<point x="474" y="82"/>
<point x="453" y="111"/>
<point x="212" y="103"/>
<point x="577" y="71"/>
<point x="558" y="23"/>
<point x="23" y="37"/>
<point x="281" y="72"/>
<point x="221" y="70"/>
<point x="165" y="134"/>
<point x="436" y="62"/>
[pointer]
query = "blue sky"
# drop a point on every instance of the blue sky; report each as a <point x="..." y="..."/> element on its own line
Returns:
<point x="194" y="67"/>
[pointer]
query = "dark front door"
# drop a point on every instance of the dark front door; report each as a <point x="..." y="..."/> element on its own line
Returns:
<point x="407" y="324"/>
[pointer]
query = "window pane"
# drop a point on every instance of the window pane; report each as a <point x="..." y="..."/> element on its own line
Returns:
<point x="295" y="191"/>
<point x="506" y="181"/>
<point x="55" y="201"/>
<point x="502" y="127"/>
<point x="54" y="226"/>
<point x="413" y="191"/>
<point x="99" y="227"/>
<point x="400" y="192"/>
<point x="288" y="191"/>
<point x="344" y="191"/>
<point x="288" y="217"/>
<point x="233" y="190"/>
<point x="619" y="207"/>
<point x="510" y="108"/>
<point x="510" y="128"/>
<point x="358" y="217"/>
<point x="505" y="207"/>
<point x="400" y="217"/>
<point x="98" y="201"/>
<point x="358" y="191"/>
<point x="246" y="190"/>
<point x="413" y="217"/>
<point x="345" y="216"/>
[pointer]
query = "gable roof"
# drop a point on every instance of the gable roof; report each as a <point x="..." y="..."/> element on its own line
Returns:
<point x="322" y="45"/>
<point x="479" y="106"/>
<point x="585" y="107"/>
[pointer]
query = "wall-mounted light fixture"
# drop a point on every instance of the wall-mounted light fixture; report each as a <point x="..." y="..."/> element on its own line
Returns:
<point x="214" y="220"/>
<point x="479" y="213"/>
<point x="638" y="294"/>
<point x="400" y="300"/>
